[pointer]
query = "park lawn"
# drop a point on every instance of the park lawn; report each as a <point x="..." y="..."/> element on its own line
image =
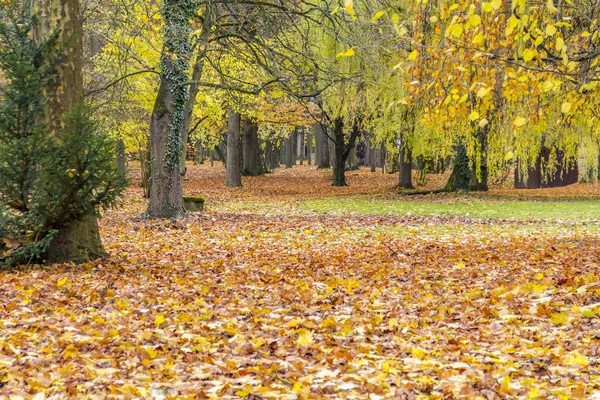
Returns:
<point x="294" y="297"/>
<point x="462" y="206"/>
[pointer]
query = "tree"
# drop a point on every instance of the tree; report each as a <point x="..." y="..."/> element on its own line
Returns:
<point x="58" y="169"/>
<point x="168" y="116"/>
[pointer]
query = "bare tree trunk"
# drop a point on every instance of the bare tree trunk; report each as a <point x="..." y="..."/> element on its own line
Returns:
<point x="79" y="241"/>
<point x="342" y="151"/>
<point x="195" y="83"/>
<point x="121" y="160"/>
<point x="289" y="154"/>
<point x="233" y="174"/>
<point x="253" y="159"/>
<point x="300" y="146"/>
<point x="321" y="148"/>
<point x="309" y="146"/>
<point x="405" y="167"/>
<point x="352" y="161"/>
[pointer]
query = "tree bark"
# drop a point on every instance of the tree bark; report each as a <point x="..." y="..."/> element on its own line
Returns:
<point x="322" y="147"/>
<point x="300" y="145"/>
<point x="342" y="151"/>
<point x="195" y="83"/>
<point x="405" y="166"/>
<point x="352" y="162"/>
<point x="120" y="159"/>
<point x="309" y="146"/>
<point x="270" y="155"/>
<point x="79" y="241"/>
<point x="233" y="173"/>
<point x="289" y="147"/>
<point x="168" y="116"/>
<point x="253" y="159"/>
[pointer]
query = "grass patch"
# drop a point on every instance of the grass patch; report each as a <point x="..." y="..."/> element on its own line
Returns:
<point x="518" y="210"/>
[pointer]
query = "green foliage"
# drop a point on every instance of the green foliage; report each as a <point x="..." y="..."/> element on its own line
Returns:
<point x="46" y="181"/>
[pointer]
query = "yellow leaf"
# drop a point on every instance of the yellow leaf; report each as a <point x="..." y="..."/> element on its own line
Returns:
<point x="483" y="91"/>
<point x="576" y="358"/>
<point x="474" y="20"/>
<point x="550" y="30"/>
<point x="478" y="39"/>
<point x="509" y="156"/>
<point x="529" y="54"/>
<point x="413" y="55"/>
<point x="395" y="18"/>
<point x="487" y="7"/>
<point x="61" y="282"/>
<point x="483" y="122"/>
<point x="560" y="44"/>
<point x="456" y="30"/>
<point x="586" y="34"/>
<point x="392" y="323"/>
<point x="151" y="353"/>
<point x="519" y="122"/>
<point x="496" y="4"/>
<point x="565" y="108"/>
<point x="158" y="321"/>
<point x="559" y="318"/>
<point x="474" y="115"/>
<point x="305" y="338"/>
<point x="418" y="353"/>
<point x="377" y="15"/>
<point x="347" y="53"/>
<point x="350" y="10"/>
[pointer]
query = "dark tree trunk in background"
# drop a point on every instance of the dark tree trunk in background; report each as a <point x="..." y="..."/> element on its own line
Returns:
<point x="79" y="241"/>
<point x="322" y="147"/>
<point x="342" y="151"/>
<point x="352" y="161"/>
<point x="289" y="147"/>
<point x="405" y="167"/>
<point x="270" y="155"/>
<point x="481" y="183"/>
<point x="121" y="160"/>
<point x="300" y="145"/>
<point x="309" y="139"/>
<point x="195" y="82"/>
<point x="233" y="173"/>
<point x="146" y="167"/>
<point x="253" y="159"/>
<point x="200" y="154"/>
<point x="460" y="177"/>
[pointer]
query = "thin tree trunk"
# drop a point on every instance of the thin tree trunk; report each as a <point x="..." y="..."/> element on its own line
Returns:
<point x="300" y="146"/>
<point x="253" y="159"/>
<point x="289" y="154"/>
<point x="121" y="160"/>
<point x="352" y="162"/>
<point x="195" y="83"/>
<point x="79" y="241"/>
<point x="309" y="139"/>
<point x="233" y="174"/>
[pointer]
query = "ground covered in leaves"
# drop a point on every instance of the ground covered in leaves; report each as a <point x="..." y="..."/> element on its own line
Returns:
<point x="265" y="297"/>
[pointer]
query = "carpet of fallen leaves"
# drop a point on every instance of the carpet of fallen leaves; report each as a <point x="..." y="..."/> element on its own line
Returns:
<point x="270" y="302"/>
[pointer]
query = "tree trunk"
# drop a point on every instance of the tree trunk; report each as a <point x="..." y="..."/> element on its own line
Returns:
<point x="352" y="162"/>
<point x="322" y="148"/>
<point x="195" y="83"/>
<point x="200" y="154"/>
<point x="289" y="147"/>
<point x="146" y="168"/>
<point x="300" y="146"/>
<point x="405" y="167"/>
<point x="168" y="115"/>
<point x="233" y="174"/>
<point x="253" y="159"/>
<point x="342" y="151"/>
<point x="309" y="139"/>
<point x="270" y="155"/>
<point x="79" y="241"/>
<point x="460" y="177"/>
<point x="121" y="160"/>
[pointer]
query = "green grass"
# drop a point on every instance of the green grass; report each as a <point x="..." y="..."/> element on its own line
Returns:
<point x="517" y="210"/>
